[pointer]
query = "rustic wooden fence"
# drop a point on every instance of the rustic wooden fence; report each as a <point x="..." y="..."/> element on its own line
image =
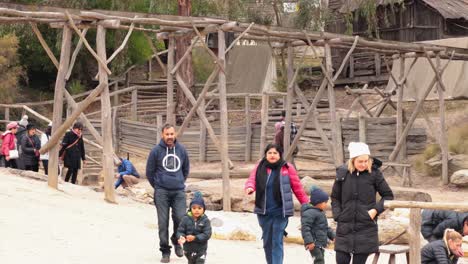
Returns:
<point x="139" y="138"/>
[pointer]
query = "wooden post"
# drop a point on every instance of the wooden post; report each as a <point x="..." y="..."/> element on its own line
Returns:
<point x="337" y="141"/>
<point x="127" y="79"/>
<point x="150" y="68"/>
<point x="159" y="125"/>
<point x="202" y="149"/>
<point x="414" y="231"/>
<point x="351" y="66"/>
<point x="289" y="99"/>
<point x="362" y="129"/>
<point x="443" y="133"/>
<point x="248" y="130"/>
<point x="115" y="129"/>
<point x="378" y="64"/>
<point x="264" y="123"/>
<point x="298" y="110"/>
<point x="170" y="118"/>
<point x="224" y="122"/>
<point x="134" y="109"/>
<point x="400" y="121"/>
<point x="69" y="110"/>
<point x="116" y="95"/>
<point x="106" y="119"/>
<point x="7" y="113"/>
<point x="58" y="104"/>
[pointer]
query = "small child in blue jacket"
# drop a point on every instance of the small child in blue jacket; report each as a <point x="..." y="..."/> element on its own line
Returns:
<point x="194" y="231"/>
<point x="314" y="225"/>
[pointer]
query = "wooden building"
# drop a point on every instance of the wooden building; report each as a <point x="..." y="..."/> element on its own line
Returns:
<point x="405" y="21"/>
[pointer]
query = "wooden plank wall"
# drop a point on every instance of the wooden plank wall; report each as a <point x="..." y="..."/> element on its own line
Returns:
<point x="139" y="138"/>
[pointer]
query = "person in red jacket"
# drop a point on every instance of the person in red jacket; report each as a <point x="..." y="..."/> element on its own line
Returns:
<point x="9" y="143"/>
<point x="274" y="181"/>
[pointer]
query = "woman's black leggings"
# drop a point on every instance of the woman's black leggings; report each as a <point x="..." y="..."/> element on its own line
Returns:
<point x="73" y="172"/>
<point x="345" y="258"/>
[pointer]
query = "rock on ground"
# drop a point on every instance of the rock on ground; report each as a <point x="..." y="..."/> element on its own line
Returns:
<point x="460" y="178"/>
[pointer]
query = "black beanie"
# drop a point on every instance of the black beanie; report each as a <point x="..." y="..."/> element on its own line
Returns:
<point x="198" y="200"/>
<point x="317" y="195"/>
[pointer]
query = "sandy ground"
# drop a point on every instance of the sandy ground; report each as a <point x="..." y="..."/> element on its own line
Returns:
<point x="75" y="225"/>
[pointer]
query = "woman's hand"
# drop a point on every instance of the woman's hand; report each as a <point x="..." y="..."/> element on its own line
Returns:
<point x="372" y="213"/>
<point x="181" y="240"/>
<point x="249" y="191"/>
<point x="7" y="158"/>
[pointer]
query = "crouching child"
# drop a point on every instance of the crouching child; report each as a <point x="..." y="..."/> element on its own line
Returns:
<point x="314" y="225"/>
<point x="194" y="231"/>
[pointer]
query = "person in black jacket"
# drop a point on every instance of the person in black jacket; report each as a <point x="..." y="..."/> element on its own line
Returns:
<point x="73" y="151"/>
<point x="444" y="251"/>
<point x="434" y="223"/>
<point x="194" y="231"/>
<point x="30" y="145"/>
<point x="354" y="205"/>
<point x="314" y="225"/>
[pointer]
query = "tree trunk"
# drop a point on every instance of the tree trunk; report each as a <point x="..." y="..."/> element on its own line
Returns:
<point x="185" y="70"/>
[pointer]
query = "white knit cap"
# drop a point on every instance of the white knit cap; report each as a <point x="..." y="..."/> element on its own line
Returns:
<point x="357" y="149"/>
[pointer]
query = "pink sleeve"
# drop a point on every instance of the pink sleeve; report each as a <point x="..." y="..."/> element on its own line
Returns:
<point x="251" y="180"/>
<point x="296" y="185"/>
<point x="6" y="145"/>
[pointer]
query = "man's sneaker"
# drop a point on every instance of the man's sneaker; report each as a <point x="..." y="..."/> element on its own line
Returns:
<point x="179" y="251"/>
<point x="165" y="259"/>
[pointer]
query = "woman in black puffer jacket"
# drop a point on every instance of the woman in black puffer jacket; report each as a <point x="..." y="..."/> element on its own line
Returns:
<point x="355" y="207"/>
<point x="30" y="145"/>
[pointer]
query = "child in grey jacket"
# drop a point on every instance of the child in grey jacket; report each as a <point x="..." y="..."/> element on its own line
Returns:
<point x="194" y="231"/>
<point x="314" y="225"/>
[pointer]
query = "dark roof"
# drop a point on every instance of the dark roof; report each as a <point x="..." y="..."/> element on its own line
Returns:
<point x="449" y="9"/>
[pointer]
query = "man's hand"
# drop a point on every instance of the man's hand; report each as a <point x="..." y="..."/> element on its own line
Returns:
<point x="190" y="238"/>
<point x="181" y="240"/>
<point x="372" y="213"/>
<point x="117" y="175"/>
<point x="84" y="162"/>
<point x="310" y="246"/>
<point x="249" y="191"/>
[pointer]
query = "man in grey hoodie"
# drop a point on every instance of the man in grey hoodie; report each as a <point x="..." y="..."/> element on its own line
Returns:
<point x="167" y="169"/>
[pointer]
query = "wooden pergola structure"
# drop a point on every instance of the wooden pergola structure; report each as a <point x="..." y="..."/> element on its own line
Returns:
<point x="171" y="27"/>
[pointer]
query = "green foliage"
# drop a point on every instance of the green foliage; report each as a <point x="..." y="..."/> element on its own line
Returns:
<point x="202" y="64"/>
<point x="76" y="87"/>
<point x="311" y="15"/>
<point x="139" y="49"/>
<point x="10" y="71"/>
<point x="258" y="18"/>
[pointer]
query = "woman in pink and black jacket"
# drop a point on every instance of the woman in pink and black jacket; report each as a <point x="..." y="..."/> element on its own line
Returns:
<point x="9" y="143"/>
<point x="274" y="181"/>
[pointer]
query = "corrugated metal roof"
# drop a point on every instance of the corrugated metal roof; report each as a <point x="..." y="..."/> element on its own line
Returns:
<point x="449" y="9"/>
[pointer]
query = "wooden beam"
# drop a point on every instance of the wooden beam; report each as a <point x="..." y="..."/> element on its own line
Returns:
<point x="122" y="46"/>
<point x="202" y="147"/>
<point x="60" y="131"/>
<point x="224" y="120"/>
<point x="200" y="114"/>
<point x="44" y="44"/>
<point x="7" y="113"/>
<point x="72" y="25"/>
<point x="309" y="114"/>
<point x="199" y="102"/>
<point x="248" y="130"/>
<point x="217" y="62"/>
<point x="460" y="207"/>
<point x="65" y="50"/>
<point x="134" y="105"/>
<point x="443" y="132"/>
<point x="362" y="129"/>
<point x="239" y="37"/>
<point x="264" y="123"/>
<point x="337" y="142"/>
<point x="414" y="115"/>
<point x="186" y="54"/>
<point x="346" y="58"/>
<point x="289" y="99"/>
<point x="414" y="231"/>
<point x="400" y="115"/>
<point x="106" y="119"/>
<point x="170" y="114"/>
<point x="75" y="54"/>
